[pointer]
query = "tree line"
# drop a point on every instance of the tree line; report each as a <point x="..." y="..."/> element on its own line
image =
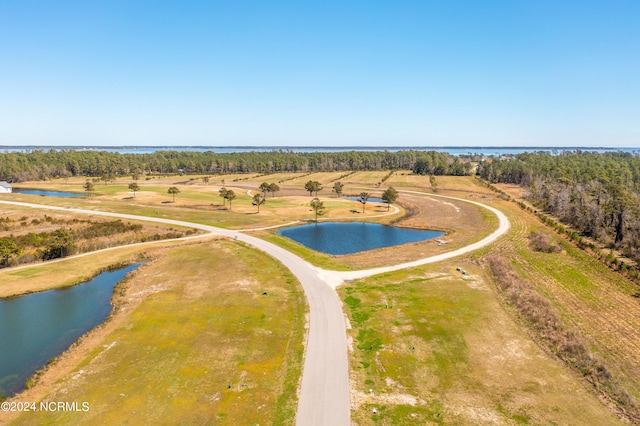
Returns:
<point x="597" y="194"/>
<point x="43" y="165"/>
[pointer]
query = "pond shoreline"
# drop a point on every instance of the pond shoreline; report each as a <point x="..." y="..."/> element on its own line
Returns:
<point x="344" y="238"/>
<point x="50" y="339"/>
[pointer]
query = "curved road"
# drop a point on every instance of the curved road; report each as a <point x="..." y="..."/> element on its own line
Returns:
<point x="324" y="391"/>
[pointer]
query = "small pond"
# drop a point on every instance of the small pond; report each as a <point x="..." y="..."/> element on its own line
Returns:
<point x="369" y="200"/>
<point x="353" y="237"/>
<point x="48" y="193"/>
<point x="39" y="326"/>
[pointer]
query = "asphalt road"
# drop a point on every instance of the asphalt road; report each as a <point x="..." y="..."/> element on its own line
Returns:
<point x="324" y="391"/>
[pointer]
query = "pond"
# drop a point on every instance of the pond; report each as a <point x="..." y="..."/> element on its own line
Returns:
<point x="354" y="237"/>
<point x="44" y="192"/>
<point x="369" y="200"/>
<point x="39" y="326"/>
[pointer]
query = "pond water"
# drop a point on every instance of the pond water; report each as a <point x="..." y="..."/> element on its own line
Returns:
<point x="369" y="200"/>
<point x="354" y="237"/>
<point x="39" y="326"/>
<point x="48" y="193"/>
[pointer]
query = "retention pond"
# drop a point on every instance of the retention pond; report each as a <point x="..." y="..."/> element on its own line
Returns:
<point x="353" y="237"/>
<point x="39" y="326"/>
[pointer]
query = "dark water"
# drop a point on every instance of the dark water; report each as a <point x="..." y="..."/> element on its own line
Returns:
<point x="47" y="193"/>
<point x="37" y="327"/>
<point x="354" y="237"/>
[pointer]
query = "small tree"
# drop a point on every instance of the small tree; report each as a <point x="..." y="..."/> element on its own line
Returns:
<point x="273" y="188"/>
<point x="258" y="200"/>
<point x="364" y="196"/>
<point x="223" y="193"/>
<point x="8" y="248"/>
<point x="337" y="188"/>
<point x="60" y="244"/>
<point x="205" y="180"/>
<point x="230" y="196"/>
<point x="88" y="187"/>
<point x="434" y="183"/>
<point x="264" y="188"/>
<point x="313" y="186"/>
<point x="317" y="206"/>
<point x="173" y="191"/>
<point x="134" y="187"/>
<point x="390" y="196"/>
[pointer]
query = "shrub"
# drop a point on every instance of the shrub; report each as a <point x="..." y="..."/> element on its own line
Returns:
<point x="540" y="241"/>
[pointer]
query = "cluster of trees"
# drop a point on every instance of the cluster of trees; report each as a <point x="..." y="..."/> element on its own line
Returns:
<point x="313" y="186"/>
<point x="64" y="241"/>
<point x="596" y="194"/>
<point x="227" y="194"/>
<point x="42" y="165"/>
<point x="440" y="163"/>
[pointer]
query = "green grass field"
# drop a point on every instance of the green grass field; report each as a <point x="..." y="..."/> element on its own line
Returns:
<point x="431" y="346"/>
<point x="204" y="346"/>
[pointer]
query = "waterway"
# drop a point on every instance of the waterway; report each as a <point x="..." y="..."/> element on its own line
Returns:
<point x="37" y="327"/>
<point x="338" y="238"/>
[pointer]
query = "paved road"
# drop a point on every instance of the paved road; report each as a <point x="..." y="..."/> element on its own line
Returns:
<point x="324" y="392"/>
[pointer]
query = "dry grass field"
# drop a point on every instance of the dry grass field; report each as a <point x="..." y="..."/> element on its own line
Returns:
<point x="199" y="202"/>
<point x="193" y="340"/>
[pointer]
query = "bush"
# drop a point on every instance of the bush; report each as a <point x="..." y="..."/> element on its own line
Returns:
<point x="540" y="241"/>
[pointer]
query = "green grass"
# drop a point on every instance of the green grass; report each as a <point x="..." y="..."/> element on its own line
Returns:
<point x="173" y="359"/>
<point x="429" y="334"/>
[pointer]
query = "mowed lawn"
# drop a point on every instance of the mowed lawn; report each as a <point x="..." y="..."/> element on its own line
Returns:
<point x="217" y="339"/>
<point x="433" y="346"/>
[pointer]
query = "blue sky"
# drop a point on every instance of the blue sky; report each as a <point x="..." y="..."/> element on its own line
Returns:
<point x="375" y="73"/>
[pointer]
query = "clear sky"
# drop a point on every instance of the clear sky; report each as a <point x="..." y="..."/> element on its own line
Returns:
<point x="370" y="72"/>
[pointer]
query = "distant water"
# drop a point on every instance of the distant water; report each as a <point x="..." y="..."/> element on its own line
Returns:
<point x="464" y="150"/>
<point x="47" y="193"/>
<point x="37" y="327"/>
<point x="353" y="237"/>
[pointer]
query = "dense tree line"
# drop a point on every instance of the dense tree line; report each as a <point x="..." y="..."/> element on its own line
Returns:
<point x="42" y="165"/>
<point x="596" y="194"/>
